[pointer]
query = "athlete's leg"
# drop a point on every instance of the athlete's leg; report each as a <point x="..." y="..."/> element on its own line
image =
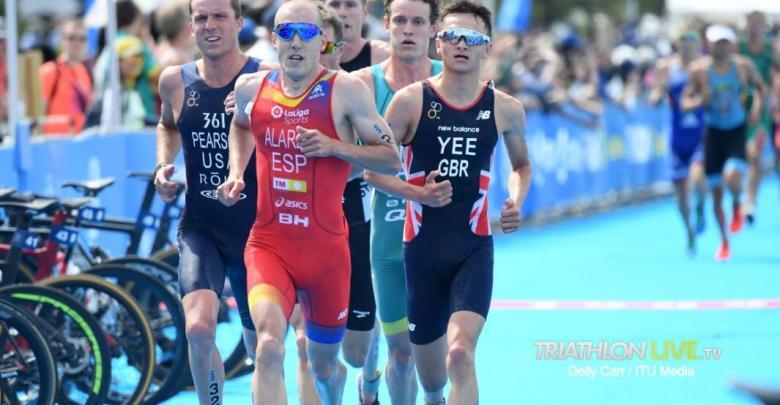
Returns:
<point x="360" y="345"/>
<point x="698" y="183"/>
<point x="462" y="335"/>
<point x="361" y="350"/>
<point x="428" y="309"/>
<point x="431" y="362"/>
<point x="201" y="279"/>
<point x="399" y="372"/>
<point x="755" y="171"/>
<point x="306" y="391"/>
<point x="271" y="325"/>
<point x="208" y="374"/>
<point x="271" y="300"/>
<point x="390" y="291"/>
<point x="717" y="208"/>
<point x="472" y="287"/>
<point x="681" y="195"/>
<point x="236" y="272"/>
<point x="323" y="292"/>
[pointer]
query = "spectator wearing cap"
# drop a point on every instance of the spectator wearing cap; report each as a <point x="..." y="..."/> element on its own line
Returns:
<point x="130" y="53"/>
<point x="130" y="22"/>
<point x="66" y="85"/>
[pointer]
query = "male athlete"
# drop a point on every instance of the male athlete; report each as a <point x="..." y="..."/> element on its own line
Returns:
<point x="357" y="52"/>
<point x="687" y="131"/>
<point x="298" y="249"/>
<point x="361" y="341"/>
<point x="448" y="126"/>
<point x="720" y="83"/>
<point x="411" y="25"/>
<point x="211" y="237"/>
<point x="758" y="47"/>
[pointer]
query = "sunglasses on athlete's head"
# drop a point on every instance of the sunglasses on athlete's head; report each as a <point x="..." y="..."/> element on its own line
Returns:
<point x="331" y="47"/>
<point x="306" y="32"/>
<point x="472" y="38"/>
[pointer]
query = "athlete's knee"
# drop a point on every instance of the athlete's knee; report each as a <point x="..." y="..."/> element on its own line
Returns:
<point x="270" y="352"/>
<point x="460" y="360"/>
<point x="432" y="382"/>
<point x="201" y="333"/>
<point x="322" y="367"/>
<point x="300" y="342"/>
<point x="355" y="354"/>
<point x="401" y="358"/>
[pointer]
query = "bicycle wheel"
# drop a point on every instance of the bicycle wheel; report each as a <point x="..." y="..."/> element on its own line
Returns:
<point x="129" y="334"/>
<point x="168" y="256"/>
<point x="166" y="317"/>
<point x="78" y="344"/>
<point x="27" y="365"/>
<point x="160" y="270"/>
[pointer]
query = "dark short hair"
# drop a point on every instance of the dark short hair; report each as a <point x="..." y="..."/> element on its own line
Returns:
<point x="234" y="4"/>
<point x="126" y="13"/>
<point x="470" y="7"/>
<point x="435" y="6"/>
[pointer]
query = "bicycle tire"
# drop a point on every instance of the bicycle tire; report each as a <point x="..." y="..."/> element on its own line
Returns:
<point x="17" y="319"/>
<point x="137" y="346"/>
<point x="161" y="271"/>
<point x="57" y="313"/>
<point x="166" y="316"/>
<point x="169" y="256"/>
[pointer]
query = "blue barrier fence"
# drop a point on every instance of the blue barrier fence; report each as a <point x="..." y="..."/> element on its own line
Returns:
<point x="571" y="162"/>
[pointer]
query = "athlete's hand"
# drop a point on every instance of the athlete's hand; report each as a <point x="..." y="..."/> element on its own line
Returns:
<point x="510" y="216"/>
<point x="229" y="192"/>
<point x="165" y="187"/>
<point x="230" y="102"/>
<point x="314" y="143"/>
<point x="436" y="194"/>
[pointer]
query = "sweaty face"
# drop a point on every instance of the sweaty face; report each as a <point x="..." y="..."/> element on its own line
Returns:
<point x="460" y="57"/>
<point x="215" y="26"/>
<point x="298" y="57"/>
<point x="409" y="25"/>
<point x="352" y="14"/>
<point x="721" y="49"/>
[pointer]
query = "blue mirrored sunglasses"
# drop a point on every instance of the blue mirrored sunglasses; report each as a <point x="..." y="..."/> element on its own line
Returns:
<point x="305" y="31"/>
<point x="472" y="38"/>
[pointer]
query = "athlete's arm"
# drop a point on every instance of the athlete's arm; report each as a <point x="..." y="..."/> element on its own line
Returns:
<point x="400" y="114"/>
<point x="378" y="151"/>
<point x="756" y="83"/>
<point x="661" y="82"/>
<point x="241" y="141"/>
<point x="693" y="96"/>
<point x="168" y="137"/>
<point x="511" y="124"/>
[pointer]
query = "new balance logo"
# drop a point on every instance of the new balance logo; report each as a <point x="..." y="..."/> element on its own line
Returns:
<point x="483" y="115"/>
<point x="342" y="315"/>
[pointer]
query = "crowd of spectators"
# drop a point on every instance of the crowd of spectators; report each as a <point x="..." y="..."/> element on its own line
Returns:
<point x="572" y="67"/>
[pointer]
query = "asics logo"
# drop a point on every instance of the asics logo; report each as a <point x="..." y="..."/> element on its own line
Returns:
<point x="287" y="203"/>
